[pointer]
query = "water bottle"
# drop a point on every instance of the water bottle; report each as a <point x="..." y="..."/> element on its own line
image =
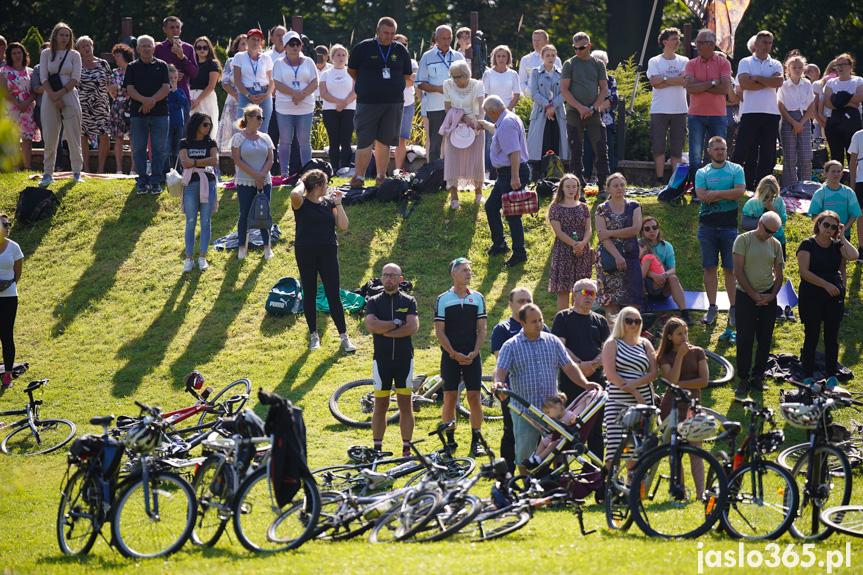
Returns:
<point x="378" y="510"/>
<point x="149" y="169"/>
<point x="575" y="236"/>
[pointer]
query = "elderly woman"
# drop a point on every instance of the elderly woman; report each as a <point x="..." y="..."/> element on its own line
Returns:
<point x="118" y="119"/>
<point x="464" y="138"/>
<point x="547" y="129"/>
<point x="95" y="101"/>
<point x="15" y="82"/>
<point x="296" y="79"/>
<point x="843" y="95"/>
<point x="227" y="129"/>
<point x="202" y="87"/>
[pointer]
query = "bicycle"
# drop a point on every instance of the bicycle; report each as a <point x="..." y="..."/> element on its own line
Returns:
<point x="847" y="519"/>
<point x="353" y="403"/>
<point x="32" y="435"/>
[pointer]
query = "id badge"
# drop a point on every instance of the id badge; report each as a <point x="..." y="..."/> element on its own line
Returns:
<point x="256" y="86"/>
<point x="386" y="73"/>
<point x="295" y="85"/>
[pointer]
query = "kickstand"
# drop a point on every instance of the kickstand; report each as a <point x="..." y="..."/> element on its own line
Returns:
<point x="580" y="514"/>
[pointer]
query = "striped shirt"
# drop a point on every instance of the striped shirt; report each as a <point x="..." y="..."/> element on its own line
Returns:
<point x="631" y="361"/>
<point x="533" y="365"/>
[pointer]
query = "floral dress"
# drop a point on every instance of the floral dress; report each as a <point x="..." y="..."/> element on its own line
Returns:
<point x="19" y="88"/>
<point x="118" y="118"/>
<point x="93" y="94"/>
<point x="626" y="287"/>
<point x="227" y="129"/>
<point x="566" y="268"/>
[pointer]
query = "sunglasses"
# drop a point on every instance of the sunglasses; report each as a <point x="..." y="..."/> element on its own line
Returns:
<point x="206" y="125"/>
<point x="769" y="231"/>
<point x="257" y="116"/>
<point x="580" y="48"/>
<point x="294" y="43"/>
<point x="586" y="292"/>
<point x="459" y="77"/>
<point x="651" y="228"/>
<point x="632" y="321"/>
<point x="202" y="47"/>
<point x="829" y="226"/>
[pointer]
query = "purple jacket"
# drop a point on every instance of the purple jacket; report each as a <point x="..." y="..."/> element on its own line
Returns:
<point x="188" y="66"/>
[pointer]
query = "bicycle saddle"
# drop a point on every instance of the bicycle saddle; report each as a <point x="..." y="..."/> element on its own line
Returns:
<point x="732" y="426"/>
<point x="374" y="479"/>
<point x="34" y="385"/>
<point x="442" y="427"/>
<point x="102" y="421"/>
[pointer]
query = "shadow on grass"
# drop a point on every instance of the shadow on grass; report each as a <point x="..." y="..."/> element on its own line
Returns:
<point x="294" y="390"/>
<point x="148" y="350"/>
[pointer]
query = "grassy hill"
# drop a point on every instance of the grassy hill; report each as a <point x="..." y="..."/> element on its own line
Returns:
<point x="106" y="313"/>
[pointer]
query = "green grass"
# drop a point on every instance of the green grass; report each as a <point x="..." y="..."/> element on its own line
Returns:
<point x="107" y="315"/>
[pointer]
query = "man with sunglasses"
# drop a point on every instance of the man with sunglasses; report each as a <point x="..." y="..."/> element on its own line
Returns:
<point x="758" y="264"/>
<point x="180" y="54"/>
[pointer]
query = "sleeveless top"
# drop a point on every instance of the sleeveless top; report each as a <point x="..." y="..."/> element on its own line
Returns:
<point x="631" y="361"/>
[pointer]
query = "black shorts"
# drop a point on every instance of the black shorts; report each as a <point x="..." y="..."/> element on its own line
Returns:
<point x="388" y="371"/>
<point x="453" y="372"/>
<point x="378" y="122"/>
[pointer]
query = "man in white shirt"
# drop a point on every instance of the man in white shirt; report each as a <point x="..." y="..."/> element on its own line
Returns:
<point x="669" y="109"/>
<point x="532" y="61"/>
<point x="433" y="71"/>
<point x="760" y="77"/>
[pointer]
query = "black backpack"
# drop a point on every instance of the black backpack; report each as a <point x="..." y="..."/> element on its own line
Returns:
<point x="35" y="204"/>
<point x="391" y="189"/>
<point x="318" y="164"/>
<point x="546" y="188"/>
<point x="429" y="178"/>
<point x="259" y="214"/>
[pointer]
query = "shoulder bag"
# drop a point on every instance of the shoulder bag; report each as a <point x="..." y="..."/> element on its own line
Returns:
<point x="54" y="80"/>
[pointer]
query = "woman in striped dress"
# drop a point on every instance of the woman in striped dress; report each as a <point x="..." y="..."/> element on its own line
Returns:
<point x="630" y="368"/>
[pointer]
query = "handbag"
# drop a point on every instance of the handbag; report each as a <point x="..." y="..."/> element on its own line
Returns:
<point x="520" y="202"/>
<point x="174" y="181"/>
<point x="749" y="223"/>
<point x="54" y="80"/>
<point x="609" y="264"/>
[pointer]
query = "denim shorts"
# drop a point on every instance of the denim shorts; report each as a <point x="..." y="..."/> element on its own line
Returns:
<point x="407" y="122"/>
<point x="715" y="241"/>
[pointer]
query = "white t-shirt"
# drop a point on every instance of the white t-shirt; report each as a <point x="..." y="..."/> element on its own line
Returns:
<point x="503" y="85"/>
<point x="670" y="100"/>
<point x="296" y="77"/>
<point x="796" y="97"/>
<point x="410" y="91"/>
<point x="856" y="147"/>
<point x="527" y="66"/>
<point x="759" y="101"/>
<point x="10" y="255"/>
<point x="253" y="72"/>
<point x="339" y="85"/>
<point x="849" y="86"/>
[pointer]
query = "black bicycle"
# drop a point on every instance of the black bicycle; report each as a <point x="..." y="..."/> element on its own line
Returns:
<point x="33" y="435"/>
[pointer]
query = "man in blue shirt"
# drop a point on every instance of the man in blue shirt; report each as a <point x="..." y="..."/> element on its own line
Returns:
<point x="433" y="71"/>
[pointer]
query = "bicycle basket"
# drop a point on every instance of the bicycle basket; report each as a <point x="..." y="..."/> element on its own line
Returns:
<point x="801" y="416"/>
<point x="698" y="428"/>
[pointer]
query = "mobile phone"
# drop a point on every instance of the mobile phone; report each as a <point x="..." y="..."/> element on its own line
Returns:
<point x="177" y="42"/>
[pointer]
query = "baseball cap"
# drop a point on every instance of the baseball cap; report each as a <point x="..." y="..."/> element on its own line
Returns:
<point x="457" y="262"/>
<point x="255" y="32"/>
<point x="292" y="36"/>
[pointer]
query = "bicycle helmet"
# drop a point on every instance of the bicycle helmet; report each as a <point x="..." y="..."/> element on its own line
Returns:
<point x="194" y="379"/>
<point x="143" y="437"/>
<point x="801" y="416"/>
<point x="698" y="428"/>
<point x="248" y="424"/>
<point x="632" y="418"/>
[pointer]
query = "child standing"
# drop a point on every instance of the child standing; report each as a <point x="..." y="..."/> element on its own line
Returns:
<point x="178" y="110"/>
<point x="571" y="255"/>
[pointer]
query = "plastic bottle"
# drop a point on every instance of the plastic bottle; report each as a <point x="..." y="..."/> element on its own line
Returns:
<point x="575" y="236"/>
<point x="379" y="509"/>
<point x="149" y="169"/>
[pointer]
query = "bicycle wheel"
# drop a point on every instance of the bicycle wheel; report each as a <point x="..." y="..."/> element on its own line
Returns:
<point x="338" y="520"/>
<point x="353" y="404"/>
<point x="617" y="482"/>
<point x="212" y="487"/>
<point x="403" y="520"/>
<point x="712" y="485"/>
<point x="762" y="501"/>
<point x="450" y="518"/>
<point x="340" y="477"/>
<point x="51" y="434"/>
<point x="491" y="408"/>
<point x="298" y="522"/>
<point x="847" y="519"/>
<point x="827" y="484"/>
<point x="457" y="468"/>
<point x="789" y="457"/>
<point x="497" y="523"/>
<point x="163" y="529"/>
<point x="721" y="370"/>
<point x="663" y="508"/>
<point x="80" y="508"/>
<point x="239" y="387"/>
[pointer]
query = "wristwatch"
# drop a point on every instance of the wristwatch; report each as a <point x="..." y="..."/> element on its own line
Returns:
<point x="713" y="82"/>
<point x="592" y="109"/>
<point x="665" y="78"/>
<point x="398" y="322"/>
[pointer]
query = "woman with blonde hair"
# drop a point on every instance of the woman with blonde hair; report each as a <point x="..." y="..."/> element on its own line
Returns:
<point x="340" y="104"/>
<point x="547" y="130"/>
<point x="767" y="199"/>
<point x="571" y="255"/>
<point x="797" y="105"/>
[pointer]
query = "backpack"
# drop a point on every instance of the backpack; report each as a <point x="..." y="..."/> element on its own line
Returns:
<point x="676" y="185"/>
<point x="551" y="167"/>
<point x="391" y="189"/>
<point x="259" y="214"/>
<point x="288" y="463"/>
<point x="35" y="204"/>
<point x="546" y="188"/>
<point x="286" y="297"/>
<point x="355" y="196"/>
<point x="429" y="178"/>
<point x="318" y="164"/>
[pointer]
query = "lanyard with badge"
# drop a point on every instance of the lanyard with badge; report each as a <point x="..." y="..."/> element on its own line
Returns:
<point x="444" y="61"/>
<point x="254" y="64"/>
<point x="296" y="83"/>
<point x="386" y="70"/>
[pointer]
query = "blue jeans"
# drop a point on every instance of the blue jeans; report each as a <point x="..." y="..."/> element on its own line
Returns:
<point x="154" y="129"/>
<point x="266" y="107"/>
<point x="701" y="127"/>
<point x="245" y="194"/>
<point x="289" y="125"/>
<point x="175" y="134"/>
<point x="193" y="205"/>
<point x="494" y="205"/>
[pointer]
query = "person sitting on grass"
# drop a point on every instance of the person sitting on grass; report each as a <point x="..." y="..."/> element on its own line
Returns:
<point x="652" y="267"/>
<point x="668" y="282"/>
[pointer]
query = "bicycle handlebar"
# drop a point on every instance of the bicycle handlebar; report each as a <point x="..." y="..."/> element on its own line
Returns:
<point x="513" y="395"/>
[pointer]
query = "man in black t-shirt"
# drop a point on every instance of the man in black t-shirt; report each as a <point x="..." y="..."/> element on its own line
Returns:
<point x="392" y="318"/>
<point x="380" y="67"/>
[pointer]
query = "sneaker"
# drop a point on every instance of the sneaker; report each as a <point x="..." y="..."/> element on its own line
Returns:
<point x="268" y="253"/>
<point x="133" y="173"/>
<point x="47" y="180"/>
<point x="478" y="449"/>
<point x="342" y="172"/>
<point x="710" y="317"/>
<point x="241" y="253"/>
<point x="406" y="452"/>
<point x="453" y="204"/>
<point x="742" y="389"/>
<point x="188" y="265"/>
<point x="780" y="313"/>
<point x="7" y="380"/>
<point x="726" y="335"/>
<point x="732" y="317"/>
<point x="479" y="200"/>
<point x="77" y="178"/>
<point x="347" y="345"/>
<point x="497" y="250"/>
<point x="156" y="189"/>
<point x="143" y="189"/>
<point x="357" y="182"/>
<point x="832" y="381"/>
<point x="789" y="313"/>
<point x="202" y="263"/>
<point x="515" y="259"/>
<point x="808" y="382"/>
<point x="119" y="173"/>
<point x="314" y="341"/>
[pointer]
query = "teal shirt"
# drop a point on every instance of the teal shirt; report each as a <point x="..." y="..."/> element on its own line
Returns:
<point x="842" y="201"/>
<point x="755" y="208"/>
<point x="722" y="213"/>
<point x="665" y="252"/>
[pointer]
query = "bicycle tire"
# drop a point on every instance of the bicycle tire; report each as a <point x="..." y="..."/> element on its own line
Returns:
<point x="450" y="518"/>
<point x="210" y="487"/>
<point x="340" y="477"/>
<point x="694" y="510"/>
<point x="813" y="500"/>
<point x="129" y="527"/>
<point x="53" y="434"/>
<point x="846" y="519"/>
<point x="240" y="387"/>
<point x="747" y="515"/>
<point x="500" y="522"/>
<point x="617" y="513"/>
<point x="459" y="467"/>
<point x="331" y="526"/>
<point x="725" y="368"/>
<point x="298" y="521"/>
<point x="76" y="502"/>
<point x="710" y="482"/>
<point x="402" y="521"/>
<point x="491" y="407"/>
<point x="344" y="401"/>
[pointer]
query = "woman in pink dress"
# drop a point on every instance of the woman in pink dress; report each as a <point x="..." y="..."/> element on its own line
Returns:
<point x="15" y="78"/>
<point x="463" y="166"/>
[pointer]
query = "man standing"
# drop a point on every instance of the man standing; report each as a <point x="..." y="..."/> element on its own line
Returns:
<point x="392" y="317"/>
<point x="433" y="70"/>
<point x="760" y="77"/>
<point x="669" y="109"/>
<point x="758" y="265"/>
<point x="460" y="327"/>
<point x="147" y="83"/>
<point x="718" y="185"/>
<point x="707" y="78"/>
<point x="509" y="157"/>
<point x="180" y="54"/>
<point x="380" y="68"/>
<point x="531" y="360"/>
<point x="528" y="64"/>
<point x="584" y="85"/>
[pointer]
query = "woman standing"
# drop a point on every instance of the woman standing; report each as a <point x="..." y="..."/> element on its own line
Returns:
<point x="666" y="284"/>
<point x="118" y="119"/>
<point x="822" y="289"/>
<point x="340" y="104"/>
<point x="317" y="251"/>
<point x="630" y="367"/>
<point x="227" y="129"/>
<point x="95" y="103"/>
<point x="547" y="129"/>
<point x="203" y="86"/>
<point x="252" y="151"/>
<point x="15" y="82"/>
<point x="199" y="156"/>
<point x="253" y="75"/>
<point x="571" y="256"/>
<point x="843" y="94"/>
<point x="463" y="166"/>
<point x="618" y="221"/>
<point x="500" y="80"/>
<point x="10" y="272"/>
<point x="62" y="106"/>
<point x="296" y="79"/>
<point x="797" y="105"/>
